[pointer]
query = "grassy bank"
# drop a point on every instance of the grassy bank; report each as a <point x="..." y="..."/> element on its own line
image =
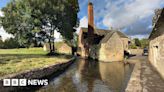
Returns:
<point x="18" y="60"/>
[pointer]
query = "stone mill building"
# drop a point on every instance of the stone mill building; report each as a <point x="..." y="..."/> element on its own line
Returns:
<point x="104" y="45"/>
<point x="156" y="45"/>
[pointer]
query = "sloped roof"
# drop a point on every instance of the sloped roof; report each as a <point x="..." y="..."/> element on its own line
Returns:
<point x="103" y="32"/>
<point x="107" y="37"/>
<point x="97" y="31"/>
<point x="122" y="35"/>
<point x="155" y="32"/>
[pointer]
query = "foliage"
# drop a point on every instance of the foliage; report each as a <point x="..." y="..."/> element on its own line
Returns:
<point x="73" y="42"/>
<point x="132" y="46"/>
<point x="141" y="43"/>
<point x="18" y="22"/>
<point x="9" y="43"/>
<point x="137" y="42"/>
<point x="1" y="42"/>
<point x="63" y="18"/>
<point x="30" y="20"/>
<point x="144" y="43"/>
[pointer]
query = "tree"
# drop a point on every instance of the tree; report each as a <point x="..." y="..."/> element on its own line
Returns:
<point x="137" y="42"/>
<point x="1" y="42"/>
<point x="73" y="43"/>
<point x="17" y="21"/>
<point x="63" y="18"/>
<point x="37" y="19"/>
<point x="10" y="43"/>
<point x="144" y="43"/>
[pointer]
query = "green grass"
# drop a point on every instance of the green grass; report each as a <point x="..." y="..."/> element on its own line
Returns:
<point x="18" y="60"/>
<point x="23" y="51"/>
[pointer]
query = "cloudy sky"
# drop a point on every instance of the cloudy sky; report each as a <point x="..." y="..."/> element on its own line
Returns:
<point x="133" y="17"/>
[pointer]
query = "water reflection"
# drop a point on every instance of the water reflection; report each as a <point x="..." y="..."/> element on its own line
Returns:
<point x="91" y="76"/>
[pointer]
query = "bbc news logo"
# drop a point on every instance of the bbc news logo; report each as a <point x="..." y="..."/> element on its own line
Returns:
<point x="25" y="82"/>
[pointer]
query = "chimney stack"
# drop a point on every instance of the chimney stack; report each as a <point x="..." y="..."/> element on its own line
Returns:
<point x="90" y="19"/>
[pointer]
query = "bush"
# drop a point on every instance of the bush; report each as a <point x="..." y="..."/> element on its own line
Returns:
<point x="137" y="42"/>
<point x="132" y="46"/>
<point x="9" y="44"/>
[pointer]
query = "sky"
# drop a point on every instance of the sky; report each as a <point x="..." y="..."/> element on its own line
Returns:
<point x="132" y="17"/>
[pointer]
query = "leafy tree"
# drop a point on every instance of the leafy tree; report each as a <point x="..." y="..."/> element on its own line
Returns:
<point x="144" y="43"/>
<point x="73" y="43"/>
<point x="17" y="21"/>
<point x="30" y="20"/>
<point x="132" y="46"/>
<point x="137" y="42"/>
<point x="63" y="18"/>
<point x="9" y="43"/>
<point x="1" y="42"/>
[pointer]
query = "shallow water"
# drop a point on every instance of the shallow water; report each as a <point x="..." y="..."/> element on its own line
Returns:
<point x="91" y="76"/>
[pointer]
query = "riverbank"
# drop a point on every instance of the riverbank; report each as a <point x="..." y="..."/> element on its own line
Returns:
<point x="30" y="63"/>
<point x="144" y="77"/>
<point x="20" y="60"/>
<point x="37" y="73"/>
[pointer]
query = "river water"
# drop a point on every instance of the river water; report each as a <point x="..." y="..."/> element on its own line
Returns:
<point x="91" y="76"/>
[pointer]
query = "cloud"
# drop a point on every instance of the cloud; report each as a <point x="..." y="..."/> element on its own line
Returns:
<point x="83" y="23"/>
<point x="129" y="12"/>
<point x="2" y="31"/>
<point x="1" y="13"/>
<point x="139" y="27"/>
<point x="58" y="36"/>
<point x="133" y="15"/>
<point x="4" y="34"/>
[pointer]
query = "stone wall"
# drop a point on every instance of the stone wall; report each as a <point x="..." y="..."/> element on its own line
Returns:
<point x="156" y="54"/>
<point x="125" y="43"/>
<point x="82" y="51"/>
<point x="34" y="74"/>
<point x="112" y="50"/>
<point x="136" y="51"/>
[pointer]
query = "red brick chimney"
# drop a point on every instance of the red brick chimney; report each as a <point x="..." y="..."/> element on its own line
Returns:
<point x="90" y="19"/>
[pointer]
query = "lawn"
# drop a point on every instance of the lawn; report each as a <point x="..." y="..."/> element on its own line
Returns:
<point x="18" y="60"/>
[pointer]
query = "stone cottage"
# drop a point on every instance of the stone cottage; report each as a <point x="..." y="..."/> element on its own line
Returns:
<point x="156" y="44"/>
<point x="104" y="45"/>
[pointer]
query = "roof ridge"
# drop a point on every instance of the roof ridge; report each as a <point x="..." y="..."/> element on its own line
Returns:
<point x="108" y="36"/>
<point x="105" y="32"/>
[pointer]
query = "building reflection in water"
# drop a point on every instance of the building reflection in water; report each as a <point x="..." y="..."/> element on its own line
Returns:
<point x="91" y="76"/>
